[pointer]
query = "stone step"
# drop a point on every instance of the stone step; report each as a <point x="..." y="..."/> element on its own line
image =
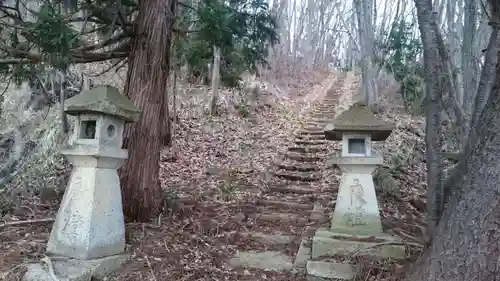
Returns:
<point x="318" y="125"/>
<point x="324" y="110"/>
<point x="268" y="260"/>
<point x="307" y="149"/>
<point x="311" y="137"/>
<point x="313" y="128"/>
<point x="324" y="115"/>
<point x="293" y="189"/>
<point x="318" y="120"/>
<point x="321" y="108"/>
<point x="320" y="270"/>
<point x="305" y="157"/>
<point x="320" y="114"/>
<point x="275" y="239"/>
<point x="309" y="132"/>
<point x="285" y="204"/>
<point x="281" y="218"/>
<point x="316" y="142"/>
<point x="303" y="253"/>
<point x="298" y="176"/>
<point x="318" y="214"/>
<point x="330" y="189"/>
<point x="293" y="166"/>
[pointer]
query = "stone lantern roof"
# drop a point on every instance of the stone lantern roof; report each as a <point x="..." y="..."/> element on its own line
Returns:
<point x="358" y="119"/>
<point x="105" y="100"/>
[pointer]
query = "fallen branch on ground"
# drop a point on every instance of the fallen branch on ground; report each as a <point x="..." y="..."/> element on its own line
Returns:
<point x="19" y="223"/>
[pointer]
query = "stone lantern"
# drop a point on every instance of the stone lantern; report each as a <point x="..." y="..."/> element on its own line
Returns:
<point x="89" y="229"/>
<point x="356" y="208"/>
<point x="356" y="218"/>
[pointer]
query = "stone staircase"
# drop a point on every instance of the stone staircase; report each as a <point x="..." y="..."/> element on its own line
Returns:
<point x="288" y="213"/>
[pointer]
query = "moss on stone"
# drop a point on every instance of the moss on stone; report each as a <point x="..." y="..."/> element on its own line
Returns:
<point x="104" y="99"/>
<point x="359" y="119"/>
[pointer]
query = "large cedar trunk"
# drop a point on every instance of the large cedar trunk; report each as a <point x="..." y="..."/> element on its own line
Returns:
<point x="467" y="242"/>
<point x="146" y="86"/>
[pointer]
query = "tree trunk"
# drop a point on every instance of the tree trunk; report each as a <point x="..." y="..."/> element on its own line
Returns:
<point x="434" y="70"/>
<point x="469" y="65"/>
<point x="174" y="118"/>
<point x="484" y="87"/>
<point x="467" y="243"/>
<point x="363" y="10"/>
<point x="215" y="81"/>
<point x="487" y="72"/>
<point x="146" y="87"/>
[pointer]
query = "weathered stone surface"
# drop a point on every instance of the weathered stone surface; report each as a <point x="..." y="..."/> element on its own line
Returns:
<point x="305" y="157"/>
<point x="293" y="189"/>
<point x="313" y="127"/>
<point x="349" y="163"/>
<point x="272" y="239"/>
<point x="317" y="214"/>
<point x="298" y="175"/>
<point x="280" y="218"/>
<point x="322" y="271"/>
<point x="37" y="272"/>
<point x="285" y="204"/>
<point x="106" y="100"/>
<point x="309" y="233"/>
<point x="312" y="132"/>
<point x="310" y="142"/>
<point x="303" y="254"/>
<point x="311" y="137"/>
<point x="356" y="210"/>
<point x="90" y="222"/>
<point x="75" y="270"/>
<point x="306" y="149"/>
<point x="294" y="166"/>
<point x="269" y="260"/>
<point x="322" y="113"/>
<point x="358" y="118"/>
<point x="319" y="124"/>
<point x="319" y="121"/>
<point x="328" y="243"/>
<point x="323" y="108"/>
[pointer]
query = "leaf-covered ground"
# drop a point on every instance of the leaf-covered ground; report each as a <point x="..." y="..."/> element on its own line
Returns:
<point x="214" y="167"/>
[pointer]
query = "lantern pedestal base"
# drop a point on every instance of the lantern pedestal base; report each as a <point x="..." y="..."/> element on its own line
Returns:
<point x="90" y="223"/>
<point x="74" y="269"/>
<point x="356" y="211"/>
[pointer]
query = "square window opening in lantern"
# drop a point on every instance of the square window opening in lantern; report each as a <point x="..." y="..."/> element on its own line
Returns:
<point x="356" y="146"/>
<point x="88" y="129"/>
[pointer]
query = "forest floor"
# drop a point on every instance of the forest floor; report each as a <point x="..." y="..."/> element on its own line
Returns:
<point x="215" y="167"/>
